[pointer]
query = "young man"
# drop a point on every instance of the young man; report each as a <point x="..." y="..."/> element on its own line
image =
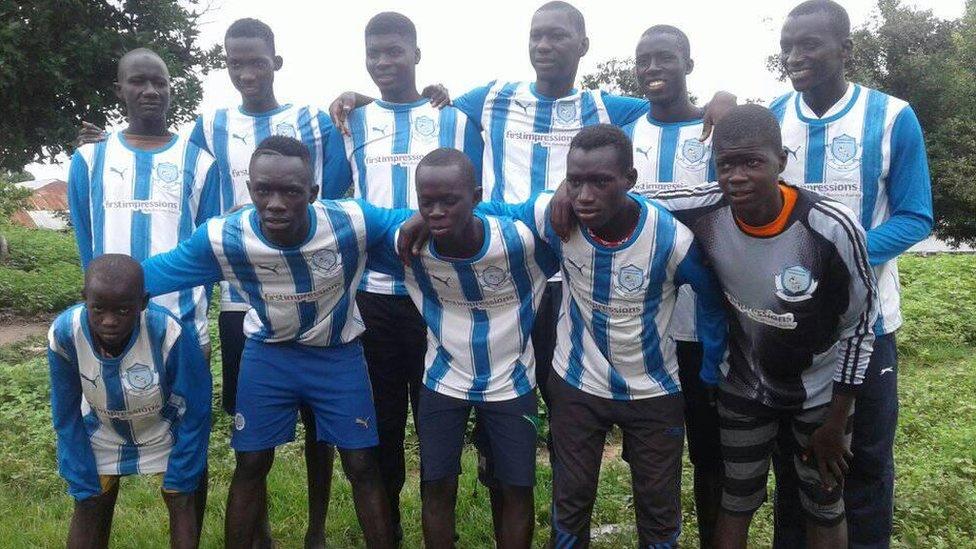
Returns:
<point x="130" y="394"/>
<point x="669" y="154"/>
<point x="378" y="159"/>
<point x="479" y="283"/>
<point x="614" y="360"/>
<point x="298" y="263"/>
<point x="864" y="149"/>
<point x="143" y="190"/>
<point x="794" y="267"/>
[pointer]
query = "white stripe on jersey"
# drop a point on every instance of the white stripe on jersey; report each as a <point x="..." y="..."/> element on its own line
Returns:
<point x="231" y="135"/>
<point x="123" y="399"/>
<point x="845" y="155"/>
<point x="480" y="312"/>
<point x="617" y="306"/>
<point x="527" y="138"/>
<point x="388" y="141"/>
<point x="669" y="156"/>
<point x="143" y="203"/>
<point x="304" y="294"/>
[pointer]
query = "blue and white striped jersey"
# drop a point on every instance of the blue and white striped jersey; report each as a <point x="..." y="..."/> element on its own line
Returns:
<point x="387" y="142"/>
<point x="866" y="152"/>
<point x="668" y="155"/>
<point x="137" y="202"/>
<point x="145" y="411"/>
<point x="231" y="135"/>
<point x="306" y="293"/>
<point x="527" y="135"/>
<point x="614" y="326"/>
<point x="480" y="311"/>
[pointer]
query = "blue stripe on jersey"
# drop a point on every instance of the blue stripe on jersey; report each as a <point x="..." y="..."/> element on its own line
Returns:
<point x="520" y="378"/>
<point x="816" y="149"/>
<point x="243" y="270"/>
<point x="141" y="234"/>
<point x="348" y="244"/>
<point x="540" y="154"/>
<point x="590" y="114"/>
<point x="778" y="107"/>
<point x="156" y="324"/>
<point x="574" y="369"/>
<point x="496" y="133"/>
<point x="357" y="127"/>
<point x="653" y="360"/>
<point x="515" y="250"/>
<point x="308" y="136"/>
<point x="97" y="196"/>
<point x="262" y="129"/>
<point x="447" y="121"/>
<point x="401" y="145"/>
<point x="221" y="154"/>
<point x="302" y="278"/>
<point x="191" y="154"/>
<point x="602" y="268"/>
<point x="480" y="357"/>
<point x="432" y="313"/>
<point x="666" y="151"/>
<point x="871" y="155"/>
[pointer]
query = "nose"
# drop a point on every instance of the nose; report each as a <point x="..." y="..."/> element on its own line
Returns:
<point x="276" y="202"/>
<point x="109" y="320"/>
<point x="437" y="211"/>
<point x="585" y="194"/>
<point x="791" y="56"/>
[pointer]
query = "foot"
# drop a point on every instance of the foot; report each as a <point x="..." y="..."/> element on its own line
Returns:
<point x="314" y="541"/>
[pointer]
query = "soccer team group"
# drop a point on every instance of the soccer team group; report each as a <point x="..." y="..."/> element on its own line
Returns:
<point x="523" y="236"/>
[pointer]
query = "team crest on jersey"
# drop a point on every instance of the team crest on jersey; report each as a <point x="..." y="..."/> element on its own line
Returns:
<point x="167" y="175"/>
<point x="325" y="261"/>
<point x="239" y="421"/>
<point x="693" y="153"/>
<point x="843" y="153"/>
<point x="566" y="112"/>
<point x="630" y="280"/>
<point x="425" y="127"/>
<point x="286" y="129"/>
<point x="795" y="284"/>
<point x="492" y="278"/>
<point x="140" y="379"/>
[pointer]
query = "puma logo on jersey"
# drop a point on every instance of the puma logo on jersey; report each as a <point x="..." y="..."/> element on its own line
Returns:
<point x="273" y="267"/>
<point x="445" y="281"/>
<point x="363" y="422"/>
<point x="380" y="129"/>
<point x="646" y="152"/>
<point x="91" y="380"/>
<point x="523" y="106"/>
<point x="576" y="265"/>
<point x="118" y="172"/>
<point x="792" y="152"/>
<point x="887" y="370"/>
<point x="242" y="138"/>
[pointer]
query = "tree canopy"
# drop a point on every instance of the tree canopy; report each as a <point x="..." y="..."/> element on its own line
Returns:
<point x="58" y="63"/>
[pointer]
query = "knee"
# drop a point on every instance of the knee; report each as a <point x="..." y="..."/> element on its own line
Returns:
<point x="253" y="465"/>
<point x="360" y="466"/>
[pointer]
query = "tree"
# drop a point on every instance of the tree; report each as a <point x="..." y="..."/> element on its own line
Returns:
<point x="614" y="76"/>
<point x="58" y="62"/>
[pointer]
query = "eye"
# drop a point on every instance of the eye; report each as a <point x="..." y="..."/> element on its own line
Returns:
<point x="123" y="311"/>
<point x="754" y="163"/>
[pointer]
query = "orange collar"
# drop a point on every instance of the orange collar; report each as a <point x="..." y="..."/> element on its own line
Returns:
<point x="777" y="225"/>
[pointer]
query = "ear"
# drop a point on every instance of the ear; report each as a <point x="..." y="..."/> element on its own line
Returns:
<point x="416" y="56"/>
<point x="847" y="47"/>
<point x="690" y="66"/>
<point x="313" y="194"/>
<point x="584" y="46"/>
<point x="477" y="194"/>
<point x="145" y="301"/>
<point x="278" y="62"/>
<point x="783" y="159"/>
<point x="631" y="178"/>
<point x="118" y="90"/>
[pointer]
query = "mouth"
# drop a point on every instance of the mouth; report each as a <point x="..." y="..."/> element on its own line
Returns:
<point x="587" y="214"/>
<point x="250" y="90"/>
<point x="739" y="195"/>
<point x="800" y="74"/>
<point x="276" y="223"/>
<point x="439" y="230"/>
<point x="654" y="85"/>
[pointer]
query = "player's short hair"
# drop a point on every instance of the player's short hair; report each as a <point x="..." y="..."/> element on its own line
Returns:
<point x="446" y="156"/>
<point x="136" y="52"/>
<point x="748" y="123"/>
<point x="118" y="270"/>
<point x="251" y="28"/>
<point x="606" y="135"/>
<point x="391" y="22"/>
<point x="575" y="15"/>
<point x="675" y="32"/>
<point x="840" y="22"/>
<point x="281" y="145"/>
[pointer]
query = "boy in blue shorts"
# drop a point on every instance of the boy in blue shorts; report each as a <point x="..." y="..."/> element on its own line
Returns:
<point x="130" y="394"/>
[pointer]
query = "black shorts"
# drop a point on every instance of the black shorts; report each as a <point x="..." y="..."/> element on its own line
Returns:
<point x="230" y="325"/>
<point x="701" y="416"/>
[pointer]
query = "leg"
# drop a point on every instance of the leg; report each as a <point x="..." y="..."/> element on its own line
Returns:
<point x="439" y="502"/>
<point x="318" y="465"/>
<point x="183" y="531"/>
<point x="200" y="503"/>
<point x="544" y="334"/>
<point x="731" y="530"/>
<point x="91" y="522"/>
<point x="789" y="523"/>
<point x="372" y="507"/>
<point x="246" y="497"/>
<point x="579" y="424"/>
<point x="653" y="443"/>
<point x="518" y="516"/>
<point x="704" y="446"/>
<point x="869" y="491"/>
<point x="486" y="473"/>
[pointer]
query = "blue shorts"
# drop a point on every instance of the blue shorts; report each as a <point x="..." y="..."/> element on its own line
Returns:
<point x="507" y="427"/>
<point x="276" y="378"/>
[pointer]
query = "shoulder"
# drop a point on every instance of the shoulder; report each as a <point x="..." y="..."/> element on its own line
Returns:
<point x="160" y="321"/>
<point x="781" y="102"/>
<point x="699" y="196"/>
<point x="828" y="217"/>
<point x="63" y="330"/>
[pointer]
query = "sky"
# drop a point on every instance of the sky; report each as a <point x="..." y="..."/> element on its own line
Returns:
<point x="467" y="43"/>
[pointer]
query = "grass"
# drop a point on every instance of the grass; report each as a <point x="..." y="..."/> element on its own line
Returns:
<point x="42" y="273"/>
<point x="936" y="479"/>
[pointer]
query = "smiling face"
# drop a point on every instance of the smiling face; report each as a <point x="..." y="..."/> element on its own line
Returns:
<point x="748" y="171"/>
<point x="251" y="64"/>
<point x="144" y="87"/>
<point x="281" y="190"/>
<point x="811" y="51"/>
<point x="555" y="45"/>
<point x="597" y="185"/>
<point x="661" y="68"/>
<point x="391" y="60"/>
<point x="446" y="201"/>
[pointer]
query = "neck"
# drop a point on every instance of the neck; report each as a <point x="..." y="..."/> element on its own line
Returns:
<point x="679" y="110"/>
<point x="259" y="105"/>
<point x="761" y="212"/>
<point x="466" y="244"/>
<point x="621" y="224"/>
<point x="108" y="350"/>
<point x="148" y="127"/>
<point x="555" y="88"/>
<point x="406" y="94"/>
<point x="821" y="98"/>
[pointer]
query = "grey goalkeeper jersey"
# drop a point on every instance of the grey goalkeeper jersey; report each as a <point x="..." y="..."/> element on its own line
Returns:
<point x="801" y="302"/>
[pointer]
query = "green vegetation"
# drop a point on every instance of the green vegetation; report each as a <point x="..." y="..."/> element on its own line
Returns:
<point x="936" y="485"/>
<point x="42" y="273"/>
